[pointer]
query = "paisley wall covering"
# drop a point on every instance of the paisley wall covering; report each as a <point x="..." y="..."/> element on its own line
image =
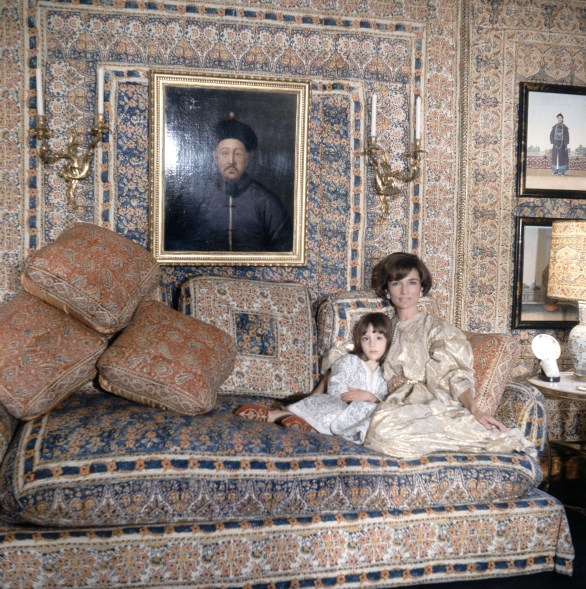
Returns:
<point x="464" y="58"/>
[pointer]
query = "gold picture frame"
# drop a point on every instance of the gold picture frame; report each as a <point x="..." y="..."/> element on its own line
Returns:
<point x="202" y="211"/>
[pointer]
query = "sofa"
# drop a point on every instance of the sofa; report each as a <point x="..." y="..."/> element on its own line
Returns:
<point x="123" y="464"/>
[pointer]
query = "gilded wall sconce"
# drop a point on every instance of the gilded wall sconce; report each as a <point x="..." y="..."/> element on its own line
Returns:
<point x="385" y="178"/>
<point x="77" y="160"/>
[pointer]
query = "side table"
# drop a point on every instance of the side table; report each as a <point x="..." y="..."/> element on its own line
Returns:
<point x="566" y="406"/>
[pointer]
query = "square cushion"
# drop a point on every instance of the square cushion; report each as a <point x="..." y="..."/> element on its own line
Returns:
<point x="93" y="274"/>
<point x="495" y="354"/>
<point x="165" y="359"/>
<point x="272" y="324"/>
<point x="44" y="355"/>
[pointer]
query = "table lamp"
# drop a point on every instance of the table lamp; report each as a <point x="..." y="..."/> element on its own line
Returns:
<point x="567" y="280"/>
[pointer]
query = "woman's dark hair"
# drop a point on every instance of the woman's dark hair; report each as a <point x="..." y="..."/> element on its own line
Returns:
<point x="395" y="267"/>
<point x="381" y="323"/>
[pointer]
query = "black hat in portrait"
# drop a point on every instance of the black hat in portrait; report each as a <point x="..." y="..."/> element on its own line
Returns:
<point x="232" y="128"/>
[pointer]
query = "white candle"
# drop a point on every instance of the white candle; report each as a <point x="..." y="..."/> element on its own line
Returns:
<point x="100" y="90"/>
<point x="417" y="118"/>
<point x="40" y="98"/>
<point x="373" y="116"/>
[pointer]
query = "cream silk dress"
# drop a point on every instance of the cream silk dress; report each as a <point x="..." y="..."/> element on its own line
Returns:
<point x="428" y="367"/>
<point x="328" y="414"/>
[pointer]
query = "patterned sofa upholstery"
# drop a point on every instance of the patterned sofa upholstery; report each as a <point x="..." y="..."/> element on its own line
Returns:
<point x="105" y="492"/>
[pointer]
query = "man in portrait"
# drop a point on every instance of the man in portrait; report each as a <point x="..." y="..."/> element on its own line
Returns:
<point x="559" y="137"/>
<point x="235" y="212"/>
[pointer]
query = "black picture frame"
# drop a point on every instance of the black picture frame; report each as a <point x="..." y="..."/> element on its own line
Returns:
<point x="537" y="174"/>
<point x="197" y="218"/>
<point x="531" y="308"/>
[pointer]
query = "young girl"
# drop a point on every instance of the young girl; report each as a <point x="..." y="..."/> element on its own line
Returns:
<point x="355" y="386"/>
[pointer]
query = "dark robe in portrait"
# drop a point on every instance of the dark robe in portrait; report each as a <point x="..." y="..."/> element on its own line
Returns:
<point x="559" y="138"/>
<point x="241" y="216"/>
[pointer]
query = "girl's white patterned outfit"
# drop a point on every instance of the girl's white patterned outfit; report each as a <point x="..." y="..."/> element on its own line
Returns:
<point x="329" y="414"/>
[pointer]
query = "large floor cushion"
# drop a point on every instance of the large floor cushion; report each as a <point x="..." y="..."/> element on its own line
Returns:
<point x="165" y="359"/>
<point x="93" y="274"/>
<point x="102" y="460"/>
<point x="272" y="325"/>
<point x="44" y="355"/>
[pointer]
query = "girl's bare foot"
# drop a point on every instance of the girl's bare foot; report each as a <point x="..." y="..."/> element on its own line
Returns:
<point x="275" y="414"/>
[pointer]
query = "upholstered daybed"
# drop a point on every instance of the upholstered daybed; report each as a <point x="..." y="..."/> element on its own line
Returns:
<point x="158" y="484"/>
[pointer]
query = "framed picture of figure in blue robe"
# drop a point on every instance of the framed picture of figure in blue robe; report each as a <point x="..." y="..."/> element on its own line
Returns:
<point x="228" y="166"/>
<point x="551" y="141"/>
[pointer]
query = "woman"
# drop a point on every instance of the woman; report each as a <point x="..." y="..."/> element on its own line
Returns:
<point x="430" y="376"/>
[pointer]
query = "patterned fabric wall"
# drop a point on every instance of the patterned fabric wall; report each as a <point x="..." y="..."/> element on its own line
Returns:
<point x="11" y="147"/>
<point x="466" y="58"/>
<point x="509" y="43"/>
<point x="345" y="59"/>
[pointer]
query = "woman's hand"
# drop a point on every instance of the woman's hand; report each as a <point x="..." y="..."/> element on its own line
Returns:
<point x="358" y="395"/>
<point x="488" y="421"/>
<point x="481" y="417"/>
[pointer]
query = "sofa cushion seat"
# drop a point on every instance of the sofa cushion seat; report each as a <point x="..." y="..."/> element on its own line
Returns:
<point x="99" y="459"/>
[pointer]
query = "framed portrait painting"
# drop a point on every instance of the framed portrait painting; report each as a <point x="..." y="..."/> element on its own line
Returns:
<point x="532" y="308"/>
<point x="228" y="166"/>
<point x="551" y="158"/>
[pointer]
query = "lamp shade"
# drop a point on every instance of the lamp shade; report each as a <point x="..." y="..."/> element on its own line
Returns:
<point x="567" y="261"/>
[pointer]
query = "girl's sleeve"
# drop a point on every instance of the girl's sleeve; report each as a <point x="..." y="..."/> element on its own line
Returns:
<point x="337" y="351"/>
<point x="341" y="376"/>
<point x="451" y="364"/>
<point x="382" y="390"/>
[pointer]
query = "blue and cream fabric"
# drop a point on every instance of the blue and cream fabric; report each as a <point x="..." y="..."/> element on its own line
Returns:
<point x="372" y="549"/>
<point x="273" y="327"/>
<point x="102" y="460"/>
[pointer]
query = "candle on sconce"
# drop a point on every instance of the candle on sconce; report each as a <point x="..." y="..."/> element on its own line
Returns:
<point x="373" y="116"/>
<point x="417" y="118"/>
<point x="100" y="90"/>
<point x="40" y="97"/>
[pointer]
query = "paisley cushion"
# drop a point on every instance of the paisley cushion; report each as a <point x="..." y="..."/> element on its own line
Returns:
<point x="166" y="359"/>
<point x="102" y="460"/>
<point x="272" y="324"/>
<point x="93" y="274"/>
<point x="495" y="356"/>
<point x="44" y="355"/>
